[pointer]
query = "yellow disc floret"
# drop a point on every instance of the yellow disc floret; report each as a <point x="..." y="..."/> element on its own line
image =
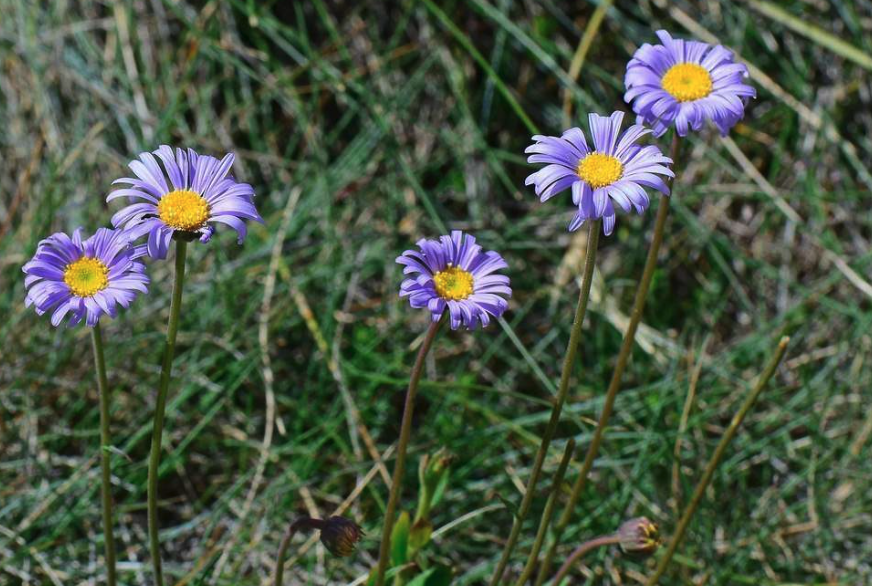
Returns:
<point x="86" y="276"/>
<point x="599" y="170"/>
<point x="183" y="209"/>
<point x="453" y="283"/>
<point x="687" y="82"/>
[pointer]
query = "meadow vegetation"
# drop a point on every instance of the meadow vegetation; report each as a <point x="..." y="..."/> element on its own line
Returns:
<point x="364" y="127"/>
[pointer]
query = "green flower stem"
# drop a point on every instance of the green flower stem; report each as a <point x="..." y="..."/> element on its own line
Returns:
<point x="579" y="553"/>
<point x="160" y="406"/>
<point x="547" y="514"/>
<point x="712" y="465"/>
<point x="615" y="383"/>
<point x="400" y="465"/>
<point x="105" y="454"/>
<point x="562" y="391"/>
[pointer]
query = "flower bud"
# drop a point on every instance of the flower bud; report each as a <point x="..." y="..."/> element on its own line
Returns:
<point x="340" y="536"/>
<point x="639" y="536"/>
<point x="433" y="476"/>
<point x="438" y="463"/>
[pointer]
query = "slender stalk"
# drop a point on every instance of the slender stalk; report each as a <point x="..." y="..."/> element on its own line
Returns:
<point x="547" y="514"/>
<point x="160" y="406"/>
<point x="105" y="443"/>
<point x="303" y="523"/>
<point x="280" y="556"/>
<point x="615" y="383"/>
<point x="580" y="551"/>
<point x="713" y="462"/>
<point x="400" y="465"/>
<point x="562" y="391"/>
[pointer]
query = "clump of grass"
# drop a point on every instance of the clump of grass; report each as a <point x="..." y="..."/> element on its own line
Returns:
<point x="398" y="130"/>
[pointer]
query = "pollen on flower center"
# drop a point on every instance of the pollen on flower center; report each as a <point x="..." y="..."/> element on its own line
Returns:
<point x="453" y="283"/>
<point x="687" y="82"/>
<point x="86" y="276"/>
<point x="599" y="170"/>
<point x="183" y="209"/>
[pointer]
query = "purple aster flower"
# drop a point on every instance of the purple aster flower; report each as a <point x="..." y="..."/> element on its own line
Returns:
<point x="615" y="170"/>
<point x="199" y="191"/>
<point x="85" y="279"/>
<point x="453" y="272"/>
<point x="684" y="83"/>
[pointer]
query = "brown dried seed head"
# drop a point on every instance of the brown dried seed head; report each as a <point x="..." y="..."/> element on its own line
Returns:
<point x="340" y="536"/>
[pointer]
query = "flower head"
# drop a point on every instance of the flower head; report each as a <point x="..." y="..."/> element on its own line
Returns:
<point x="639" y="536"/>
<point x="684" y="83"/>
<point x="84" y="278"/>
<point x="183" y="196"/>
<point x="453" y="272"/>
<point x="615" y="170"/>
<point x="340" y="536"/>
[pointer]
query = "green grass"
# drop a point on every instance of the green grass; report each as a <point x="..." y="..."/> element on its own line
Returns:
<point x="396" y="121"/>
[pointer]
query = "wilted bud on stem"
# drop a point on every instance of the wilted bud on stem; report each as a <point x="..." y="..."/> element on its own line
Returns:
<point x="636" y="536"/>
<point x="340" y="536"/>
<point x="639" y="536"/>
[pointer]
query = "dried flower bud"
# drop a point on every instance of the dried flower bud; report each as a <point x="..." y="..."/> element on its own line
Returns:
<point x="639" y="536"/>
<point x="340" y="536"/>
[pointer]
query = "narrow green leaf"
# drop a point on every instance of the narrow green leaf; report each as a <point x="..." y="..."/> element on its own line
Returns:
<point x="419" y="536"/>
<point x="421" y="579"/>
<point x="440" y="576"/>
<point x="400" y="540"/>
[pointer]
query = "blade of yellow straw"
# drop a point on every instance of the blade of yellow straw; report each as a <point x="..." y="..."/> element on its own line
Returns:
<point x="590" y="32"/>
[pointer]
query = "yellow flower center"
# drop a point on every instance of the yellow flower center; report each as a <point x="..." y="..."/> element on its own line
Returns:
<point x="687" y="82"/>
<point x="453" y="283"/>
<point x="599" y="170"/>
<point x="86" y="276"/>
<point x="183" y="209"/>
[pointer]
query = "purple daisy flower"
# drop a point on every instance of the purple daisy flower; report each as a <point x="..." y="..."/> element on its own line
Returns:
<point x="85" y="279"/>
<point x="199" y="191"/>
<point x="684" y="83"/>
<point x="453" y="272"/>
<point x="615" y="170"/>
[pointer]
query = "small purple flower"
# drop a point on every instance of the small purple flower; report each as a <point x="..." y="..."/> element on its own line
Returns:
<point x="615" y="170"/>
<point x="684" y="83"/>
<point x="199" y="191"/>
<point x="85" y="279"/>
<point x="453" y="272"/>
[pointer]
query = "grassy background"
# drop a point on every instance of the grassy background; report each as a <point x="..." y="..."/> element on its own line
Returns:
<point x="363" y="127"/>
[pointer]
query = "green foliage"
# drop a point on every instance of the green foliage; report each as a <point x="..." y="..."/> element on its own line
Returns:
<point x="433" y="474"/>
<point x="400" y="541"/>
<point x="397" y="120"/>
<point x="410" y="537"/>
<point x="419" y="536"/>
<point x="435" y="576"/>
